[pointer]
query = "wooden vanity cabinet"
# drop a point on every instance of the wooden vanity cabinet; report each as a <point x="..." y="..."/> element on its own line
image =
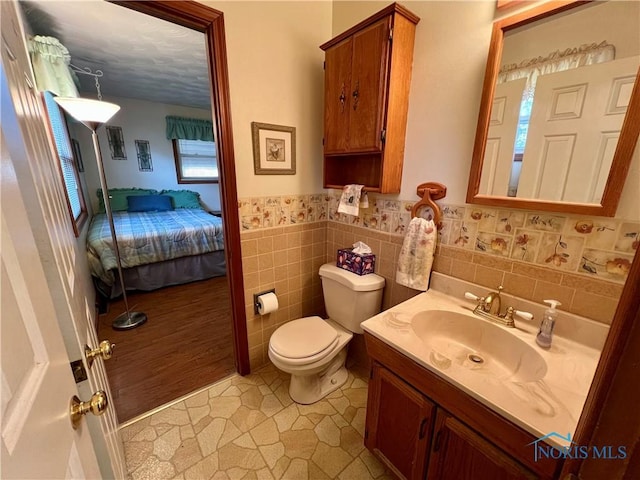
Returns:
<point x="367" y="78"/>
<point x="460" y="453"/>
<point x="400" y="420"/>
<point x="421" y="426"/>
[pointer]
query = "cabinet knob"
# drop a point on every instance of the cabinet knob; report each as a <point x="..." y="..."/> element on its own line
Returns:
<point x="342" y="98"/>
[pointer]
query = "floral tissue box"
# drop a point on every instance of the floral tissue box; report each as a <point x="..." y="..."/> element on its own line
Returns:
<point x="360" y="264"/>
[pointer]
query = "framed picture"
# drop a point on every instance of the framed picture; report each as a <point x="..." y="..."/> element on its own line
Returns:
<point x="274" y="149"/>
<point x="144" y="156"/>
<point x="77" y="155"/>
<point x="116" y="143"/>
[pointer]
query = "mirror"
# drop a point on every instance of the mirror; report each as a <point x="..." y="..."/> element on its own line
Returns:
<point x="560" y="110"/>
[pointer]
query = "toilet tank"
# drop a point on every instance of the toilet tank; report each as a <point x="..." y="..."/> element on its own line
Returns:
<point x="349" y="298"/>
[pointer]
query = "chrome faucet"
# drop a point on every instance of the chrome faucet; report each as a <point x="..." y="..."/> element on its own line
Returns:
<point x="490" y="306"/>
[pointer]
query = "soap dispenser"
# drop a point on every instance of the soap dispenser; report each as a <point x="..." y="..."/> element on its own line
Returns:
<point x="548" y="322"/>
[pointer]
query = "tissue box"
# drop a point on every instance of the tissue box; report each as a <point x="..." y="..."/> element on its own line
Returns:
<point x="361" y="264"/>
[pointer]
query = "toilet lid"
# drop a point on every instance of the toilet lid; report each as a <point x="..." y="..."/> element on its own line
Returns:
<point x="303" y="337"/>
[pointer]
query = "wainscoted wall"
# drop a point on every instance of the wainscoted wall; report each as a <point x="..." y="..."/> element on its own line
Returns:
<point x="581" y="261"/>
<point x="287" y="259"/>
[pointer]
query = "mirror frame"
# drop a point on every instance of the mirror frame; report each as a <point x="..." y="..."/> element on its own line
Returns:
<point x="624" y="149"/>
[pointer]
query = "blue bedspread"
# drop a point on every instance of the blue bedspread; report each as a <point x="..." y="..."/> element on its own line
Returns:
<point x="149" y="237"/>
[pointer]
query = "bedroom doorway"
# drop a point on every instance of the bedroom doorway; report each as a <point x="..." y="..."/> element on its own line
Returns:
<point x="216" y="305"/>
<point x="175" y="357"/>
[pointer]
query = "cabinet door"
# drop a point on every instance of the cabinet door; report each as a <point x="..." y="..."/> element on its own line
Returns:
<point x="337" y="96"/>
<point x="399" y="423"/>
<point x="459" y="453"/>
<point x="369" y="74"/>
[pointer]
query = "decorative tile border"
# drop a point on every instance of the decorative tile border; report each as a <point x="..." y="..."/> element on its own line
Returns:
<point x="597" y="247"/>
<point x="278" y="211"/>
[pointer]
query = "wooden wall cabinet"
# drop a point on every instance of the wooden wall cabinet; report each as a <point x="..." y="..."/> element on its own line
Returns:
<point x="421" y="426"/>
<point x="367" y="78"/>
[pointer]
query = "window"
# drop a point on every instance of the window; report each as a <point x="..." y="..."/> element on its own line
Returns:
<point x="196" y="161"/>
<point x="68" y="170"/>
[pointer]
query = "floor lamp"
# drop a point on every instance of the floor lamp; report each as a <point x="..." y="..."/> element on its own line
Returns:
<point x="92" y="114"/>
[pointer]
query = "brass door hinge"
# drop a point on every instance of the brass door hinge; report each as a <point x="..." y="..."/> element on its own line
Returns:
<point x="390" y="34"/>
<point x="383" y="135"/>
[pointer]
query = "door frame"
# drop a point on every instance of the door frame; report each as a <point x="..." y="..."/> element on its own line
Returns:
<point x="205" y="19"/>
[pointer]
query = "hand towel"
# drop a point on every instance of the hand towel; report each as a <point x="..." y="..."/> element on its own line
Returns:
<point x="416" y="255"/>
<point x="350" y="200"/>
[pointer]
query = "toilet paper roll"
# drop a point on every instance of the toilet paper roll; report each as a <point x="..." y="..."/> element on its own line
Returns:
<point x="267" y="303"/>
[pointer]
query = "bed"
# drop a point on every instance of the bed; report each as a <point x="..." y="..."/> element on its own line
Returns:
<point x="157" y="249"/>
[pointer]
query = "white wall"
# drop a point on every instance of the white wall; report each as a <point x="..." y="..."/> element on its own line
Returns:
<point x="276" y="76"/>
<point x="140" y="120"/>
<point x="585" y="25"/>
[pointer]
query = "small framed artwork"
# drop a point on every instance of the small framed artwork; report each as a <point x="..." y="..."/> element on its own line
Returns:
<point x="144" y="156"/>
<point x="116" y="143"/>
<point x="274" y="149"/>
<point x="77" y="154"/>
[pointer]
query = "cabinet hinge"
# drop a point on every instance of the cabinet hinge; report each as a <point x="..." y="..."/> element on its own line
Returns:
<point x="78" y="370"/>
<point x="390" y="34"/>
<point x="383" y="135"/>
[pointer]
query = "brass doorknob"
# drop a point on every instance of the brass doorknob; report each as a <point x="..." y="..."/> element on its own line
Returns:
<point x="97" y="405"/>
<point x="104" y="350"/>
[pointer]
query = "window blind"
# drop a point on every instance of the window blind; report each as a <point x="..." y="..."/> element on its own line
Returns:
<point x="63" y="147"/>
<point x="198" y="159"/>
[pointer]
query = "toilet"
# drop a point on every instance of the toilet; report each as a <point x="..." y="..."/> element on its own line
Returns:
<point x="314" y="350"/>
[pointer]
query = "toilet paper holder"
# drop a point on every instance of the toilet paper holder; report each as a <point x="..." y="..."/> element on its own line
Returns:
<point x="255" y="299"/>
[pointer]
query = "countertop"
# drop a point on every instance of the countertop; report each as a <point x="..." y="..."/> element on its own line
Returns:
<point x="551" y="404"/>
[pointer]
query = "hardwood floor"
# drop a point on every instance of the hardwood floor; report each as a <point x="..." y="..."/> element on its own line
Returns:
<point x="186" y="344"/>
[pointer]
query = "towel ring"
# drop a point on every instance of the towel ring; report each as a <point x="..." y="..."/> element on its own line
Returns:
<point x="429" y="192"/>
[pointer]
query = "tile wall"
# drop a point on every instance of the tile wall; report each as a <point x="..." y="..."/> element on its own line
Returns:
<point x="287" y="259"/>
<point x="581" y="261"/>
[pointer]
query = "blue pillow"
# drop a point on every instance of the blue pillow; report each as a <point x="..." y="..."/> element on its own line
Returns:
<point x="118" y="197"/>
<point x="149" y="203"/>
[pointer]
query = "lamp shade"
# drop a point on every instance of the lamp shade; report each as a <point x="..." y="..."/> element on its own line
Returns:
<point x="90" y="112"/>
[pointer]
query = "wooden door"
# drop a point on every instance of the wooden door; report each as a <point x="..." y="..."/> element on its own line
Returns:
<point x="577" y="117"/>
<point x="369" y="76"/>
<point x="399" y="424"/>
<point x="459" y="453"/>
<point x="36" y="173"/>
<point x="499" y="150"/>
<point x="337" y="97"/>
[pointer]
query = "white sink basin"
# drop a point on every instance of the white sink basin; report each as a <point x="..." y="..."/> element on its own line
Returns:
<point x="459" y="341"/>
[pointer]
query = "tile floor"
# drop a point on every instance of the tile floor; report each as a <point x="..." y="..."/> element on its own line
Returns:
<point x="249" y="428"/>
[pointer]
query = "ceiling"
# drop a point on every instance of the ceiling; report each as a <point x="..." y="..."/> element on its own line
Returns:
<point x="141" y="57"/>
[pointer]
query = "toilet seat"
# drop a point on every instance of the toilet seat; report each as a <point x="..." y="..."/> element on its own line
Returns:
<point x="304" y="340"/>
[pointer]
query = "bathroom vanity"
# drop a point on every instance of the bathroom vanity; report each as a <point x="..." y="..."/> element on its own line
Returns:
<point x="453" y="395"/>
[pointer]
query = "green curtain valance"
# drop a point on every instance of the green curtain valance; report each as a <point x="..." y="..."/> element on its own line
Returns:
<point x="50" y="60"/>
<point x="189" y="129"/>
